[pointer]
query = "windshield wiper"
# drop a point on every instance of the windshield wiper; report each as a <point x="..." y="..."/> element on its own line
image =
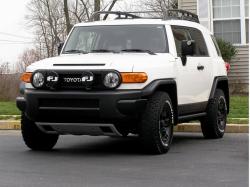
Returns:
<point x="103" y="51"/>
<point x="75" y="51"/>
<point x="139" y="51"/>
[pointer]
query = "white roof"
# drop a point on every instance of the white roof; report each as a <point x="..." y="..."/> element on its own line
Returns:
<point x="144" y="22"/>
<point x="132" y="21"/>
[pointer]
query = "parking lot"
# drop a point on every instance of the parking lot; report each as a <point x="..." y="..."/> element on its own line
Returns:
<point x="116" y="162"/>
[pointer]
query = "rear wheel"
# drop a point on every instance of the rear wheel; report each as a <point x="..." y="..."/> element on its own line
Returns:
<point x="214" y="124"/>
<point x="34" y="138"/>
<point x="156" y="128"/>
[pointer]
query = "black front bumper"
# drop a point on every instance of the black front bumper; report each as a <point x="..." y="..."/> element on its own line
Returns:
<point x="81" y="106"/>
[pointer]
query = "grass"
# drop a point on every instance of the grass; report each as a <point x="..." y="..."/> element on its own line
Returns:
<point x="8" y="108"/>
<point x="10" y="117"/>
<point x="238" y="109"/>
<point x="237" y="121"/>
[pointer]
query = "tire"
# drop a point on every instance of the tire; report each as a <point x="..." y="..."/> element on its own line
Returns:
<point x="34" y="138"/>
<point x="156" y="128"/>
<point x="214" y="124"/>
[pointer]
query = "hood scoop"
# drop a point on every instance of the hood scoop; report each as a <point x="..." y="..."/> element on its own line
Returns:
<point x="79" y="64"/>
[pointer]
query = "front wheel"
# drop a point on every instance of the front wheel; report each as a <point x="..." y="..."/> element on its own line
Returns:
<point x="156" y="128"/>
<point x="214" y="124"/>
<point x="34" y="138"/>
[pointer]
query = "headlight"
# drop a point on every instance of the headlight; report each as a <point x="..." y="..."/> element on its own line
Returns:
<point x="38" y="80"/>
<point x="111" y="80"/>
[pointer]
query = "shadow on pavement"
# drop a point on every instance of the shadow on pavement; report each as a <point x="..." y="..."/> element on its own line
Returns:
<point x="101" y="146"/>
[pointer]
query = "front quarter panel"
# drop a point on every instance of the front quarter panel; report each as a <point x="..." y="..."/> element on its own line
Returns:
<point x="162" y="67"/>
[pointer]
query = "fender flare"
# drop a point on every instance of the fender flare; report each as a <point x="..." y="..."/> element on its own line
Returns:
<point x="222" y="83"/>
<point x="168" y="85"/>
<point x="150" y="89"/>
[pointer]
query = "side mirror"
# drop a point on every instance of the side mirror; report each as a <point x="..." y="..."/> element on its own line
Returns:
<point x="59" y="48"/>
<point x="187" y="49"/>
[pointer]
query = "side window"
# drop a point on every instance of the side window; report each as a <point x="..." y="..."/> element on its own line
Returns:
<point x="200" y="44"/>
<point x="186" y="33"/>
<point x="216" y="45"/>
<point x="180" y="34"/>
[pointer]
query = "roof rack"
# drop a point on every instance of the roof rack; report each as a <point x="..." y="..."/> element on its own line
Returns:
<point x="183" y="15"/>
<point x="120" y="15"/>
<point x="165" y="15"/>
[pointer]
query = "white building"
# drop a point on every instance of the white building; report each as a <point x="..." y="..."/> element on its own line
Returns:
<point x="229" y="20"/>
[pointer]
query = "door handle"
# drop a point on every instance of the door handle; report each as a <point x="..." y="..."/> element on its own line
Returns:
<point x="200" y="67"/>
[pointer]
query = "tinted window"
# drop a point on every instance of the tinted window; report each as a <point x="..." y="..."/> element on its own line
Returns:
<point x="180" y="35"/>
<point x="117" y="38"/>
<point x="187" y="33"/>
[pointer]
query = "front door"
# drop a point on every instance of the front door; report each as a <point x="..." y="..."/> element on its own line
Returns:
<point x="194" y="79"/>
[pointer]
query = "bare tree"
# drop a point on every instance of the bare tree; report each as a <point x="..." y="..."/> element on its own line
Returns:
<point x="28" y="57"/>
<point x="110" y="8"/>
<point x="66" y="12"/>
<point x="81" y="10"/>
<point x="160" y="5"/>
<point x="53" y="20"/>
<point x="5" y="68"/>
<point x="97" y="7"/>
<point x="47" y="18"/>
<point x="8" y="82"/>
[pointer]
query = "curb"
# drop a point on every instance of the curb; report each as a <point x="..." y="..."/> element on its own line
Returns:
<point x="184" y="127"/>
<point x="195" y="127"/>
<point x="10" y="125"/>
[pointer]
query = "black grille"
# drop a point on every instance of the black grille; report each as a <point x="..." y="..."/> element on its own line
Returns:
<point x="97" y="83"/>
<point x="67" y="116"/>
<point x="73" y="103"/>
<point x="67" y="110"/>
<point x="61" y="84"/>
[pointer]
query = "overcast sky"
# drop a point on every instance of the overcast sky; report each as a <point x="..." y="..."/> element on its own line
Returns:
<point x="14" y="34"/>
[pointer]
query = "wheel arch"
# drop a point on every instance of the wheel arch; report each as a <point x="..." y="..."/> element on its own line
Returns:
<point x="168" y="86"/>
<point x="221" y="83"/>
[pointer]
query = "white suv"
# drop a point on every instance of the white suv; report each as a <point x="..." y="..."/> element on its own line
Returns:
<point x="128" y="75"/>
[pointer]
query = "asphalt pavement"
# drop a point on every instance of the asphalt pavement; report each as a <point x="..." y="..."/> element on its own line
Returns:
<point x="84" y="161"/>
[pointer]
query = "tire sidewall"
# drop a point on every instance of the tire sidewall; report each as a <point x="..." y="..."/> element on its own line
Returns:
<point x="34" y="138"/>
<point x="209" y="124"/>
<point x="224" y="100"/>
<point x="150" y="126"/>
<point x="168" y="102"/>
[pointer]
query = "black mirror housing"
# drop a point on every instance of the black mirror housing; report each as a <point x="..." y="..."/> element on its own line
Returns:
<point x="59" y="48"/>
<point x="187" y="49"/>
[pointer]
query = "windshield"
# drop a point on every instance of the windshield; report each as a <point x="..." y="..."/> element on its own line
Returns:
<point x="122" y="38"/>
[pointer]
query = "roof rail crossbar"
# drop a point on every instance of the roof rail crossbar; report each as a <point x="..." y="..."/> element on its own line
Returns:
<point x="182" y="14"/>
<point x="165" y="15"/>
<point x="126" y="15"/>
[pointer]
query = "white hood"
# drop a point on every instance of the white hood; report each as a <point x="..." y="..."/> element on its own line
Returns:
<point x="123" y="62"/>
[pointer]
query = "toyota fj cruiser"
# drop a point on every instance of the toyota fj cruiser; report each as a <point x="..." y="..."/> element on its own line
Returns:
<point x="128" y="75"/>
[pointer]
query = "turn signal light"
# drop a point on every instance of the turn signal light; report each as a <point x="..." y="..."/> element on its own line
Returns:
<point x="134" y="77"/>
<point x="26" y="77"/>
